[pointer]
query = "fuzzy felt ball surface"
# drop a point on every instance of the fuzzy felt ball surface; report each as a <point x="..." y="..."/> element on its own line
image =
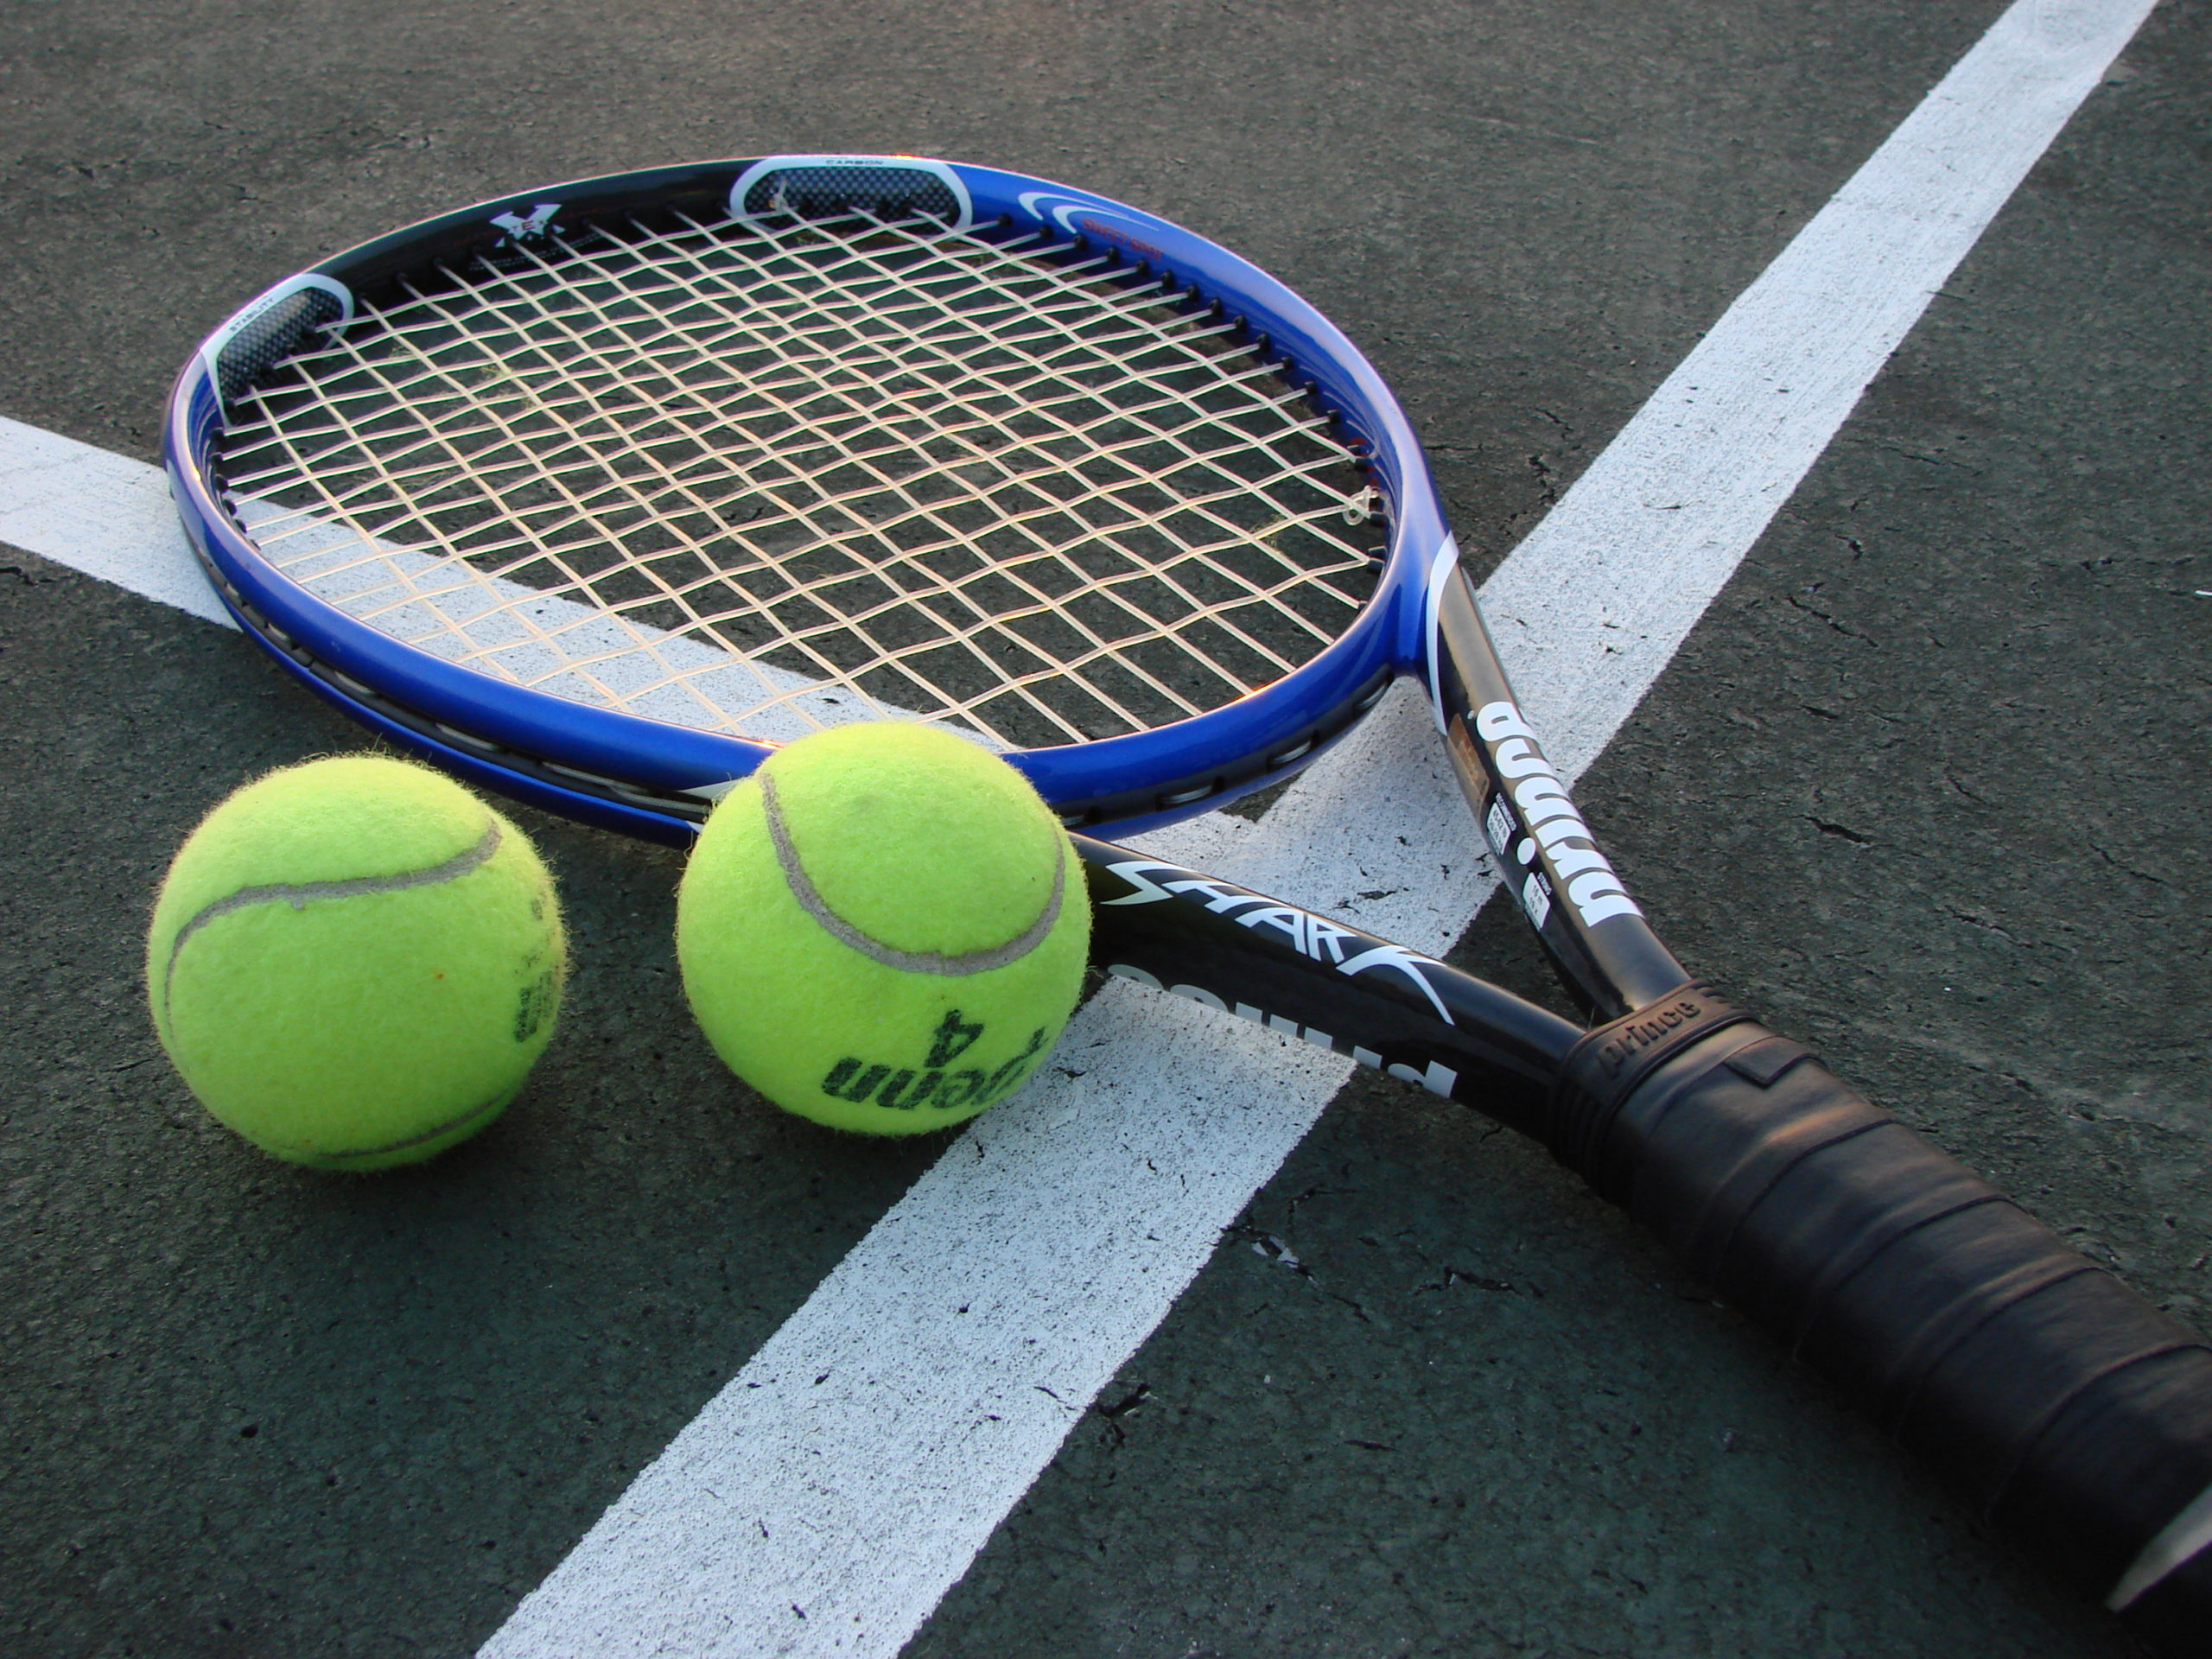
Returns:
<point x="354" y="962"/>
<point x="883" y="929"/>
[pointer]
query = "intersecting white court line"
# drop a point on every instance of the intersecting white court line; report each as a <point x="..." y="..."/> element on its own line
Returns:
<point x="825" y="1500"/>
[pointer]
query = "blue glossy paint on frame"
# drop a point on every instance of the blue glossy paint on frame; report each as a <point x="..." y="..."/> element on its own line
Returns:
<point x="1228" y="744"/>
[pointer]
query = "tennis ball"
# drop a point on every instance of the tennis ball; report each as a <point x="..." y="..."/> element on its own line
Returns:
<point x="354" y="962"/>
<point x="883" y="929"/>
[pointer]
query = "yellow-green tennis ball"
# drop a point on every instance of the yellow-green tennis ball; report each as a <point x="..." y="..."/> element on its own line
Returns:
<point x="354" y="962"/>
<point x="883" y="929"/>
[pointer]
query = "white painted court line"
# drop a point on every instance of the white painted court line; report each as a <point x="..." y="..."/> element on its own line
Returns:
<point x="104" y="514"/>
<point x="825" y="1500"/>
<point x="1720" y="447"/>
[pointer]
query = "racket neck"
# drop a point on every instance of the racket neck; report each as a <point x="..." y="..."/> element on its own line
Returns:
<point x="1601" y="945"/>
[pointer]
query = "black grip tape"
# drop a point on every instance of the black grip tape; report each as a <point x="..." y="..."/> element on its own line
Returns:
<point x="2067" y="1409"/>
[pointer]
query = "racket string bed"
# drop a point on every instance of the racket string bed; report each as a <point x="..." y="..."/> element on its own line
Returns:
<point x="972" y="479"/>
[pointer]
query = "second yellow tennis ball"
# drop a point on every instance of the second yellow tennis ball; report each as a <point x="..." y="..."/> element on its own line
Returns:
<point x="354" y="962"/>
<point x="883" y="929"/>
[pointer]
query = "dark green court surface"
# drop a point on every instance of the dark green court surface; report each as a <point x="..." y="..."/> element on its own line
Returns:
<point x="1928" y="783"/>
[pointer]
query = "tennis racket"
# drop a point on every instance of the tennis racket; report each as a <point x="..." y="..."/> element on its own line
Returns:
<point x="594" y="494"/>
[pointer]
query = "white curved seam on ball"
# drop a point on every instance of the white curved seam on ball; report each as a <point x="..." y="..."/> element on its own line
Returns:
<point x="300" y="894"/>
<point x="906" y="962"/>
<point x="483" y="1110"/>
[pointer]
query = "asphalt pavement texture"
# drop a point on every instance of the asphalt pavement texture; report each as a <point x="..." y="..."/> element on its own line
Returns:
<point x="1929" y="784"/>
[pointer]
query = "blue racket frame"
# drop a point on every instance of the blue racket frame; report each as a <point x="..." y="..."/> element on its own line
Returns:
<point x="647" y="777"/>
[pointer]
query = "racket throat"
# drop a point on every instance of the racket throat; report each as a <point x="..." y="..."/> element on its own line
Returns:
<point x="1603" y="950"/>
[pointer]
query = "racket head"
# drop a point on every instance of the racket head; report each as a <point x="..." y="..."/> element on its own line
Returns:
<point x="592" y="757"/>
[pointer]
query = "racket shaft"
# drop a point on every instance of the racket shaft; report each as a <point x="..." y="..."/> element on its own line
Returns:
<point x="1310" y="977"/>
<point x="1605" y="952"/>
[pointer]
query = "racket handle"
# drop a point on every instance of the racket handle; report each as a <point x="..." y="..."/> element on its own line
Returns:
<point x="2068" y="1410"/>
